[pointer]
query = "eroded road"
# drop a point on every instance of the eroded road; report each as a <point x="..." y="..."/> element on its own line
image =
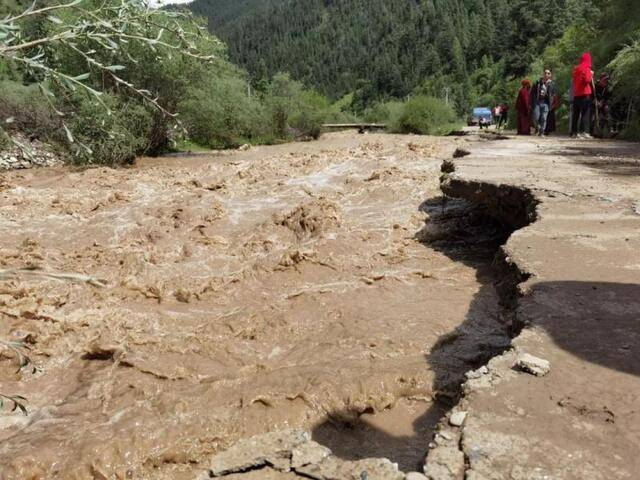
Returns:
<point x="182" y="304"/>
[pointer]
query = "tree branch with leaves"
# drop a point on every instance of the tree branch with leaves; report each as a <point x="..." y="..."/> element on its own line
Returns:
<point x="97" y="32"/>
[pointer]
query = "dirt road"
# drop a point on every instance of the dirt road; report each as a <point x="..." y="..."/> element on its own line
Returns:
<point x="577" y="252"/>
<point x="177" y="306"/>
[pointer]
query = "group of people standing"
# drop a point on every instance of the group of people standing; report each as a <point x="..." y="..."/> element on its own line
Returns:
<point x="537" y="104"/>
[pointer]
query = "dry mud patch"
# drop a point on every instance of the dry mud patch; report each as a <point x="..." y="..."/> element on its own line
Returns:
<point x="182" y="304"/>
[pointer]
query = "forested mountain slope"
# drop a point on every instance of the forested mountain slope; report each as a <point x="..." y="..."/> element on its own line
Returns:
<point x="387" y="47"/>
<point x="224" y="12"/>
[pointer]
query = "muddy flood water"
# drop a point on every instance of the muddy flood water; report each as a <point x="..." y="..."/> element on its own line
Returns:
<point x="179" y="305"/>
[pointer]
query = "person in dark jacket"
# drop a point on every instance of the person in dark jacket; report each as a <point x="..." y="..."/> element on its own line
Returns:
<point x="603" y="96"/>
<point x="542" y="95"/>
<point x="581" y="81"/>
<point x="504" y="116"/>
<point x="523" y="108"/>
<point x="551" y="119"/>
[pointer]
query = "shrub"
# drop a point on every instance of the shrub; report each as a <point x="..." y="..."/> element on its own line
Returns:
<point x="220" y="114"/>
<point x="425" y="115"/>
<point x="28" y="108"/>
<point x="5" y="141"/>
<point x="340" y="111"/>
<point x="631" y="130"/>
<point x="309" y="113"/>
<point x="385" y="112"/>
<point x="110" y="139"/>
<point x="294" y="112"/>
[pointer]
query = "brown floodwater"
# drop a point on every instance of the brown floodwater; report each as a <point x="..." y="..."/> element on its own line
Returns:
<point x="179" y="305"/>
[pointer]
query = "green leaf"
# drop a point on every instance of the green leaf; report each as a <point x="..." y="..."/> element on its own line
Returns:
<point x="115" y="68"/>
<point x="54" y="19"/>
<point x="84" y="76"/>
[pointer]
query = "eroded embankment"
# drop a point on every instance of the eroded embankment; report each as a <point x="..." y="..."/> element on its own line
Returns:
<point x="511" y="208"/>
<point x="562" y="401"/>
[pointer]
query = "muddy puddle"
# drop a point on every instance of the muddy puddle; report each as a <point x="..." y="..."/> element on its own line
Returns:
<point x="177" y="306"/>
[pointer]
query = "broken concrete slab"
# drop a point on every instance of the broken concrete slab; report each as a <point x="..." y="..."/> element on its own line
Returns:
<point x="293" y="451"/>
<point x="445" y="463"/>
<point x="415" y="476"/>
<point x="533" y="365"/>
<point x="308" y="453"/>
<point x="457" y="418"/>
<point x="273" y="449"/>
<point x="335" y="469"/>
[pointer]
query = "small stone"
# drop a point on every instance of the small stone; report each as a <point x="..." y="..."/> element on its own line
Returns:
<point x="308" y="453"/>
<point x="244" y="148"/>
<point x="457" y="418"/>
<point x="446" y="435"/>
<point x="474" y="374"/>
<point x="415" y="476"/>
<point x="445" y="463"/>
<point x="533" y="365"/>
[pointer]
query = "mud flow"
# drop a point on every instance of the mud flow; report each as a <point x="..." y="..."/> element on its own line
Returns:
<point x="177" y="306"/>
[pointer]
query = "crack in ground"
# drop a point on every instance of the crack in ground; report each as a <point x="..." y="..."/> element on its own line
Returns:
<point x="506" y="209"/>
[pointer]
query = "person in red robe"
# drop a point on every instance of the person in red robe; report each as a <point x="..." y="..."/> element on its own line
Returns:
<point x="523" y="108"/>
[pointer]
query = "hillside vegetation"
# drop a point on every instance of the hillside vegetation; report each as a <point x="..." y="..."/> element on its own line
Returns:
<point x="116" y="84"/>
<point x="470" y="52"/>
<point x="287" y="66"/>
<point x="379" y="49"/>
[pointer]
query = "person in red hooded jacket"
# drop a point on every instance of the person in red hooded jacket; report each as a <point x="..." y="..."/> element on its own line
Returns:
<point x="581" y="81"/>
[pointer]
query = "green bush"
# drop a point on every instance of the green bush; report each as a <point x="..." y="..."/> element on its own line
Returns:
<point x="5" y="141"/>
<point x="110" y="139"/>
<point x="294" y="112"/>
<point x="27" y="109"/>
<point x="309" y="113"/>
<point x="425" y="115"/>
<point x="340" y="111"/>
<point x="220" y="114"/>
<point x="385" y="112"/>
<point x="631" y="131"/>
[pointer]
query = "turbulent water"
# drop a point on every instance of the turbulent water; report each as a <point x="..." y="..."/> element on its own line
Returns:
<point x="181" y="304"/>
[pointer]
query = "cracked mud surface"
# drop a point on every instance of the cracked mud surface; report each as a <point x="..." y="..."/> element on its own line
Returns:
<point x="180" y="305"/>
